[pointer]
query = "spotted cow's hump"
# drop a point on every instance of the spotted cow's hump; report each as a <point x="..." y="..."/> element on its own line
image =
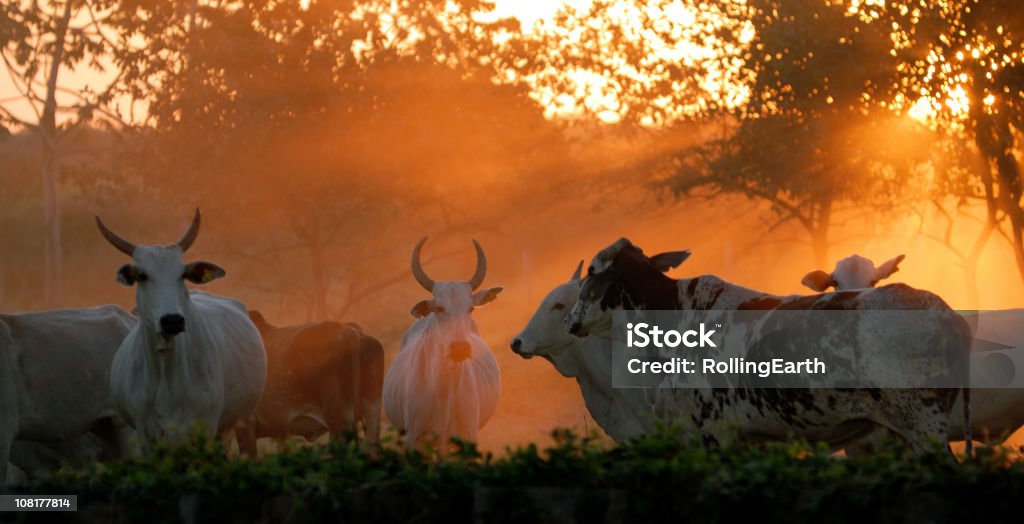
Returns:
<point x="761" y="303"/>
<point x="703" y="292"/>
<point x="902" y="296"/>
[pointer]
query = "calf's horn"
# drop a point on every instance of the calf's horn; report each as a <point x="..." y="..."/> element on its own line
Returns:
<point x="578" y="273"/>
<point x="481" y="267"/>
<point x="121" y="244"/>
<point x="190" y="235"/>
<point x="417" y="267"/>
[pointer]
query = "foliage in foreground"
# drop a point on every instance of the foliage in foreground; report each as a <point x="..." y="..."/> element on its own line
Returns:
<point x="654" y="478"/>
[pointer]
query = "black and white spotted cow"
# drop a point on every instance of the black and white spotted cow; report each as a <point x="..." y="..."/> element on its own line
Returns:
<point x="998" y="342"/>
<point x="621" y="277"/>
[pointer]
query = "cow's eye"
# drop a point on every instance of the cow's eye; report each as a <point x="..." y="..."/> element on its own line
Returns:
<point x="590" y="270"/>
<point x="558" y="306"/>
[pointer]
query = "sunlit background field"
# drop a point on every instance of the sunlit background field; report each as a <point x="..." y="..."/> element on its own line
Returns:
<point x="322" y="139"/>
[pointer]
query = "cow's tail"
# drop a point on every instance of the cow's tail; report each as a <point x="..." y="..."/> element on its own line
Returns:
<point x="965" y="387"/>
<point x="363" y="358"/>
<point x="968" y="442"/>
<point x="371" y="369"/>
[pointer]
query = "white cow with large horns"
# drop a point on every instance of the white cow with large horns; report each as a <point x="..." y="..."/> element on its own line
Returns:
<point x="193" y="358"/>
<point x="445" y="381"/>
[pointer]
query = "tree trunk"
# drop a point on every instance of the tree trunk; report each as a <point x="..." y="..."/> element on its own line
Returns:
<point x="819" y="233"/>
<point x="316" y="254"/>
<point x="314" y="232"/>
<point x="52" y="288"/>
<point x="971" y="263"/>
<point x="1009" y="200"/>
<point x="991" y="222"/>
<point x="995" y="140"/>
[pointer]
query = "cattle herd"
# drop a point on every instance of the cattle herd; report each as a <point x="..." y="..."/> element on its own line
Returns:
<point x="80" y="385"/>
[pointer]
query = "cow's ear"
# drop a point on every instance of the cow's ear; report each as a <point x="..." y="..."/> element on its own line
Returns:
<point x="818" y="280"/>
<point x="888" y="268"/>
<point x="202" y="272"/>
<point x="670" y="260"/>
<point x="486" y="296"/>
<point x="423" y="308"/>
<point x="127" y="275"/>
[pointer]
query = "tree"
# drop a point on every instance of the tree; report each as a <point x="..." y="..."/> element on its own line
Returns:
<point x="339" y="124"/>
<point x="961" y="68"/>
<point x="806" y="170"/>
<point x="39" y="42"/>
<point x="811" y="137"/>
<point x="651" y="63"/>
<point x="783" y="89"/>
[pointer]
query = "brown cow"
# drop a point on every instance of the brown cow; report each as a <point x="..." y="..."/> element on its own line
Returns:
<point x="321" y="377"/>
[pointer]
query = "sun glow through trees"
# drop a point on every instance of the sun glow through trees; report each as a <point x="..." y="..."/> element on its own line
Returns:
<point x="657" y="62"/>
<point x="648" y="62"/>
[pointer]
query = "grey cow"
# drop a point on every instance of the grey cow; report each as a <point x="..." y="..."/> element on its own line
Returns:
<point x="54" y="375"/>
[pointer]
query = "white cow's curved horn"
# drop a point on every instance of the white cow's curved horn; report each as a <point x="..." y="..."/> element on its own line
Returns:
<point x="481" y="267"/>
<point x="190" y="235"/>
<point x="121" y="244"/>
<point x="417" y="267"/>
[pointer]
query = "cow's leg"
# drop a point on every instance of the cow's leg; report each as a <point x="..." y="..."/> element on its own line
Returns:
<point x="444" y="444"/>
<point x="921" y="418"/>
<point x="371" y="422"/>
<point x="716" y="432"/>
<point x="127" y="441"/>
<point x="15" y="476"/>
<point x="34" y="458"/>
<point x="415" y="442"/>
<point x="8" y="430"/>
<point x="339" y="407"/>
<point x="371" y="370"/>
<point x="8" y="427"/>
<point x="921" y="441"/>
<point x="227" y="437"/>
<point x="245" y="434"/>
<point x="876" y="440"/>
<point x="5" y="456"/>
<point x="105" y="431"/>
<point x="8" y="407"/>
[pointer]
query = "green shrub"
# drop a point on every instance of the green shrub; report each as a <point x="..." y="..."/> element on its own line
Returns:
<point x="664" y="477"/>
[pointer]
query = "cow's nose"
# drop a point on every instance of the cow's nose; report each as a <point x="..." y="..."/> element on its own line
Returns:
<point x="516" y="345"/>
<point x="575" y="328"/>
<point x="172" y="324"/>
<point x="459" y="350"/>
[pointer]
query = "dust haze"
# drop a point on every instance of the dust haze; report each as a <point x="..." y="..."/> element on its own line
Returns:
<point x="315" y="186"/>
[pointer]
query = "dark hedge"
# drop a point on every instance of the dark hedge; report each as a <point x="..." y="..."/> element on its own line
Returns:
<point x="658" y="478"/>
